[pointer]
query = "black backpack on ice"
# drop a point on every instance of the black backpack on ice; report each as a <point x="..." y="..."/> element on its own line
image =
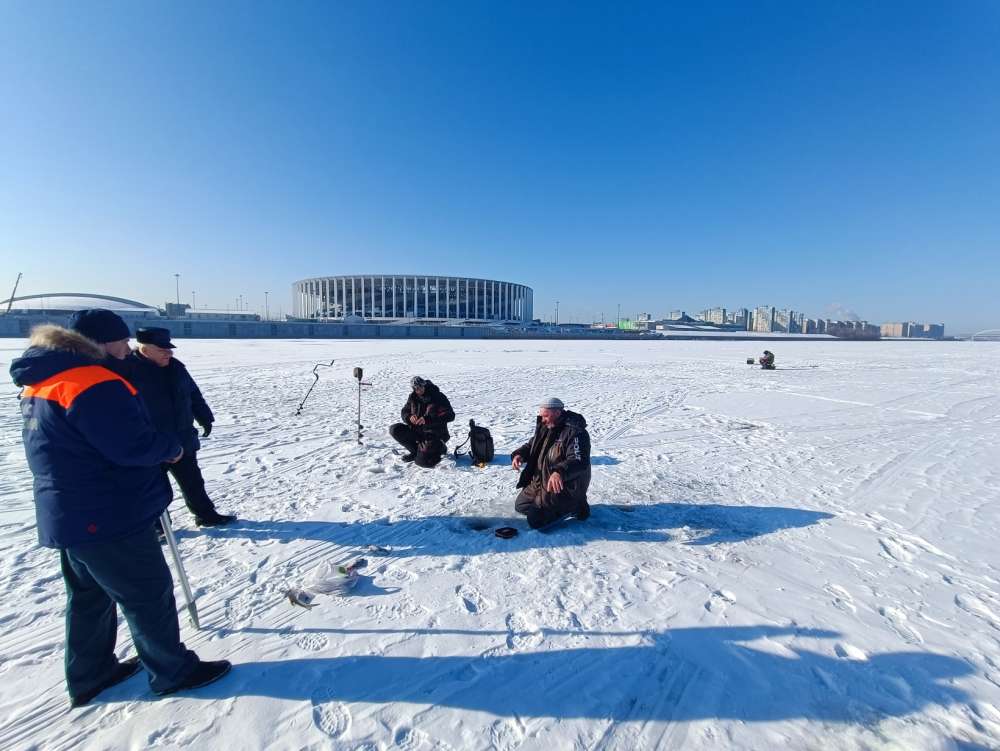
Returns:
<point x="480" y="444"/>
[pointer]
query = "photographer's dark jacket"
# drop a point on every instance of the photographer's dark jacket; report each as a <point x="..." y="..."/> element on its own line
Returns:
<point x="434" y="407"/>
<point x="93" y="451"/>
<point x="172" y="397"/>
<point x="564" y="449"/>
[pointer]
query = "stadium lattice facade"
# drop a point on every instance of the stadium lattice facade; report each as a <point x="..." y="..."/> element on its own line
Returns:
<point x="404" y="297"/>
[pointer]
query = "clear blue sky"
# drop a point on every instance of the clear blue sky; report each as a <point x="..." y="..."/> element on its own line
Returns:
<point x="657" y="156"/>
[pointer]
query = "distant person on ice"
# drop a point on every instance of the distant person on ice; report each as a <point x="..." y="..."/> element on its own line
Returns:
<point x="98" y="486"/>
<point x="175" y="403"/>
<point x="767" y="360"/>
<point x="554" y="466"/>
<point x="424" y="430"/>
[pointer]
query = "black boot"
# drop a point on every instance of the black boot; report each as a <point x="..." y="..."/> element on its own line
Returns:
<point x="122" y="672"/>
<point x="408" y="457"/>
<point x="214" y="519"/>
<point x="203" y="674"/>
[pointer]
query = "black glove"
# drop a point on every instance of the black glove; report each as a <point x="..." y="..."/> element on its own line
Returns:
<point x="206" y="430"/>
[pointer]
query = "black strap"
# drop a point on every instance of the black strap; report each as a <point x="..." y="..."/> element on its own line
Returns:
<point x="468" y="438"/>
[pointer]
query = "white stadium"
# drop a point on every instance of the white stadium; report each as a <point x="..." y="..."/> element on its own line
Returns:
<point x="411" y="298"/>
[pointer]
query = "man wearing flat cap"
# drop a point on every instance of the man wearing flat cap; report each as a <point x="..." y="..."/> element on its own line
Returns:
<point x="424" y="430"/>
<point x="175" y="403"/>
<point x="554" y="466"/>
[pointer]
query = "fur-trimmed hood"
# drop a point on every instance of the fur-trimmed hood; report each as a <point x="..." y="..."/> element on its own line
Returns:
<point x="53" y="349"/>
<point x="50" y="336"/>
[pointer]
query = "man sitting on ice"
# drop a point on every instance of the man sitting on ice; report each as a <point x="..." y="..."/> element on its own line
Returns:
<point x="424" y="430"/>
<point x="554" y="466"/>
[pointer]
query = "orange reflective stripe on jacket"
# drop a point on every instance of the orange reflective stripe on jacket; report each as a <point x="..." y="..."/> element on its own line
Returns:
<point x="65" y="387"/>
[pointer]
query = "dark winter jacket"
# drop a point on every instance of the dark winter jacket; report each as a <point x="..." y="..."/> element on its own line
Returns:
<point x="434" y="407"/>
<point x="564" y="449"/>
<point x="172" y="397"/>
<point x="90" y="444"/>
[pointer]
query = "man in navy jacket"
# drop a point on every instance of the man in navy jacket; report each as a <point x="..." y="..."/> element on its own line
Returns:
<point x="99" y="486"/>
<point x="175" y="403"/>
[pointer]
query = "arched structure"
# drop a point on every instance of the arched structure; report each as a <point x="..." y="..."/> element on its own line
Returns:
<point x="404" y="297"/>
<point x="79" y="300"/>
<point x="993" y="334"/>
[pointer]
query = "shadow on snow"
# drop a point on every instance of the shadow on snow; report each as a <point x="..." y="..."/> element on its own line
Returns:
<point x="675" y="675"/>
<point x="703" y="524"/>
<point x="464" y="460"/>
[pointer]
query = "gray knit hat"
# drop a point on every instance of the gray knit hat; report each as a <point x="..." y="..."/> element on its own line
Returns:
<point x="417" y="382"/>
<point x="552" y="403"/>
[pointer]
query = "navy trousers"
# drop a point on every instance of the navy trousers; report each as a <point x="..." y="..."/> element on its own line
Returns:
<point x="192" y="485"/>
<point x="129" y="573"/>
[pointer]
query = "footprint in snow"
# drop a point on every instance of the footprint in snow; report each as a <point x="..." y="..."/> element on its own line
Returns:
<point x="472" y="600"/>
<point x="842" y="599"/>
<point x="975" y="606"/>
<point x="897" y="549"/>
<point x="897" y="620"/>
<point x="720" y="601"/>
<point x="505" y="735"/>
<point x="312" y="642"/>
<point x="847" y="651"/>
<point x="329" y="715"/>
<point x="523" y="634"/>
<point x="411" y="739"/>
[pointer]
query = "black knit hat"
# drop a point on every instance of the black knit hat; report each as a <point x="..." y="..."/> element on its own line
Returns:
<point x="99" y="325"/>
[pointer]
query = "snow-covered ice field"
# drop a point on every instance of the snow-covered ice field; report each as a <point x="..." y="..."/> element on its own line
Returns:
<point x="802" y="559"/>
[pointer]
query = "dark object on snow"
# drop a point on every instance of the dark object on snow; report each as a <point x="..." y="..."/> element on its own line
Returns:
<point x="315" y="380"/>
<point x="480" y="444"/>
<point x="359" y="374"/>
<point x="301" y="598"/>
<point x="750" y="361"/>
<point x="564" y="449"/>
<point x="505" y="533"/>
<point x="767" y="361"/>
<point x="119" y="673"/>
<point x="424" y="429"/>
<point x="215" y="519"/>
<point x="204" y="672"/>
